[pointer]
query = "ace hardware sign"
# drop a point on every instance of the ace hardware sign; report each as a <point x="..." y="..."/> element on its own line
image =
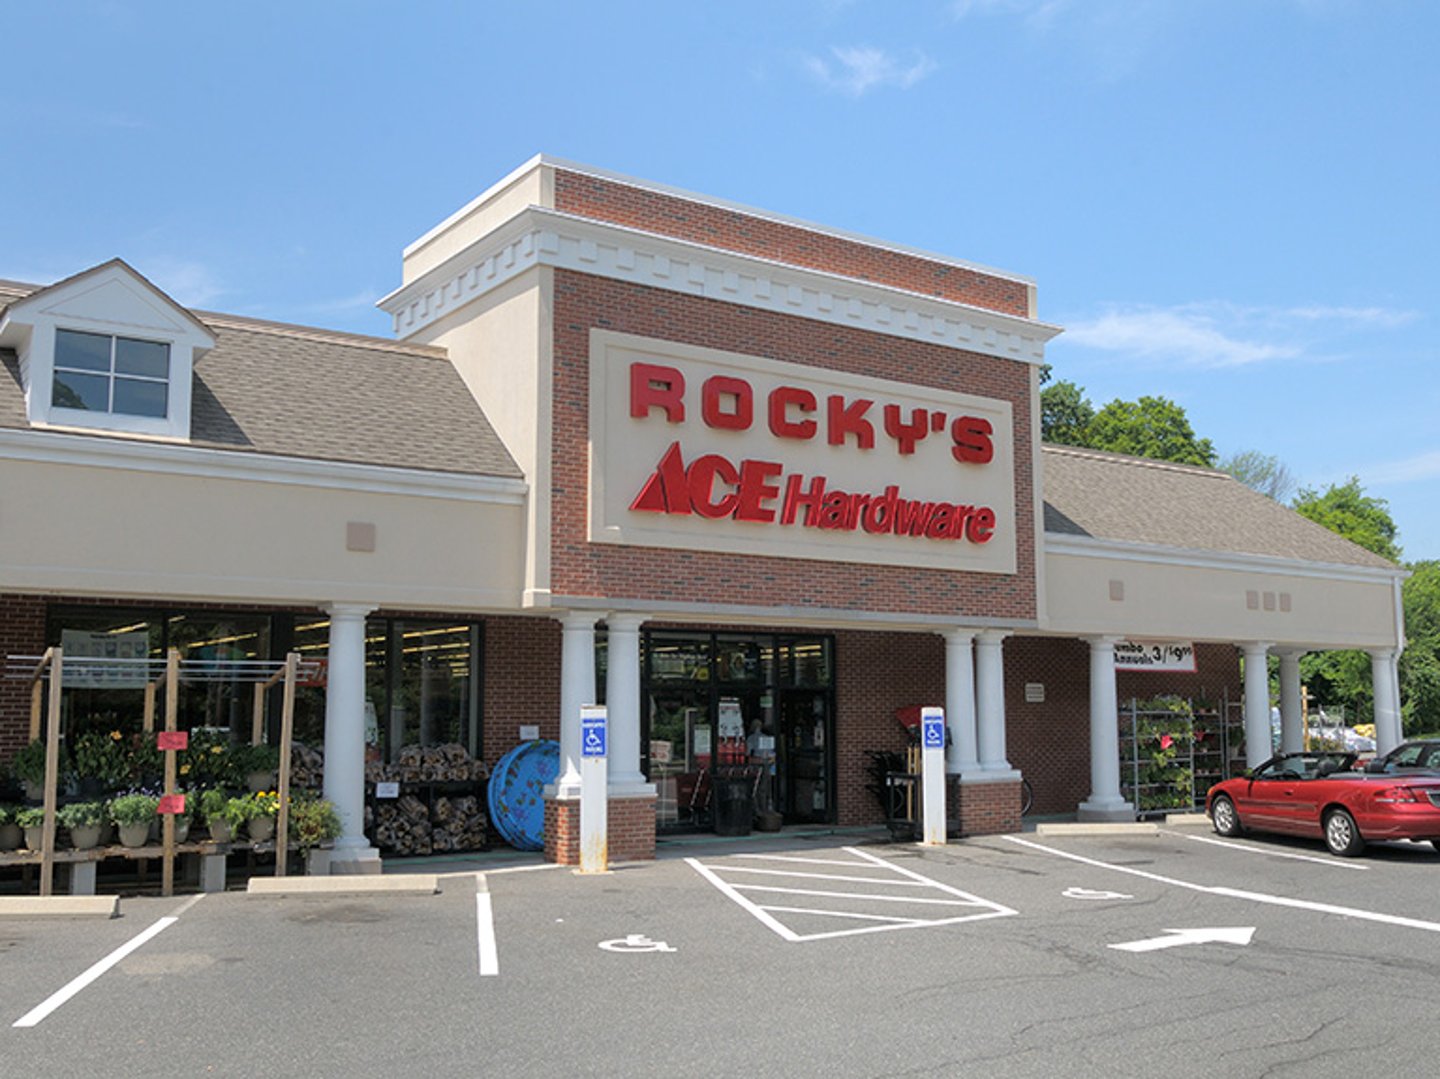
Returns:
<point x="708" y="450"/>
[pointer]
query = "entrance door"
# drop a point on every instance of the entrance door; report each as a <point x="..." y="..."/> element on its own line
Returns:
<point x="805" y="741"/>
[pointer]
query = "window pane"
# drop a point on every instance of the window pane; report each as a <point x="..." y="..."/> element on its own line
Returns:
<point x="87" y="351"/>
<point x="73" y="390"/>
<point x="135" y="398"/>
<point x="147" y="358"/>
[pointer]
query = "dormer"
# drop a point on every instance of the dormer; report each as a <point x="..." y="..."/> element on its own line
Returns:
<point x="106" y="350"/>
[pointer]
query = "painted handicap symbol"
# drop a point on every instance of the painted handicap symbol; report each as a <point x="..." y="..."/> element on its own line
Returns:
<point x="635" y="942"/>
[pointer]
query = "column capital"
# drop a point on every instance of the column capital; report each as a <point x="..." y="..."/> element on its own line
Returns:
<point x="958" y="635"/>
<point x="1289" y="652"/>
<point x="1251" y="648"/>
<point x="1104" y="641"/>
<point x="576" y="619"/>
<point x="1384" y="655"/>
<point x="348" y="609"/>
<point x="993" y="636"/>
<point x="625" y="620"/>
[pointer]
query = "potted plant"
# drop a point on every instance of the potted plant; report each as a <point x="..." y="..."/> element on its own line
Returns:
<point x="313" y="823"/>
<point x="212" y="807"/>
<point x="10" y="832"/>
<point x="85" y="821"/>
<point x="29" y="767"/>
<point x="101" y="761"/>
<point x="258" y="764"/>
<point x="133" y="814"/>
<point x="32" y="821"/>
<point x="186" y="817"/>
<point x="263" y="807"/>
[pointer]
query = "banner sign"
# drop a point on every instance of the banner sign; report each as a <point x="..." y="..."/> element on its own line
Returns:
<point x="177" y="740"/>
<point x="1155" y="656"/>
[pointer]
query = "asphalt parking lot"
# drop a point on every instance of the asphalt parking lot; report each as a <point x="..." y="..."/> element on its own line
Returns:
<point x="1171" y="953"/>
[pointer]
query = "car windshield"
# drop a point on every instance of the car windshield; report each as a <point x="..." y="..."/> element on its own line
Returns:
<point x="1305" y="766"/>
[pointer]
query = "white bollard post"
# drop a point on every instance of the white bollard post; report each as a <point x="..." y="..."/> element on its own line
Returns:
<point x="932" y="772"/>
<point x="594" y="781"/>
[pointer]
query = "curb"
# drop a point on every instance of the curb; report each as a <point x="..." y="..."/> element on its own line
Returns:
<point x="1099" y="828"/>
<point x="400" y="884"/>
<point x="60" y="906"/>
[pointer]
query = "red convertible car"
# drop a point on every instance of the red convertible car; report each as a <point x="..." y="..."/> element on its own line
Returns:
<point x="1316" y="794"/>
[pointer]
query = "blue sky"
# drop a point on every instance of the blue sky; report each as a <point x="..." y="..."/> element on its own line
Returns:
<point x="1231" y="203"/>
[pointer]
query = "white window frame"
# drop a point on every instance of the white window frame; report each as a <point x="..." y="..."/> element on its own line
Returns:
<point x="110" y="374"/>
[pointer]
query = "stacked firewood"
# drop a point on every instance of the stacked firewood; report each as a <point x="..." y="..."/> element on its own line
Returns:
<point x="407" y="825"/>
<point x="307" y="767"/>
<point x="449" y="763"/>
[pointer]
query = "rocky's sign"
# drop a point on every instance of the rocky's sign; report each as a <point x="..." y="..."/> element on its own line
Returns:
<point x="695" y="448"/>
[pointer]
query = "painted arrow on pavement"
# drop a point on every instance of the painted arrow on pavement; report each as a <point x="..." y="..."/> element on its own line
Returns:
<point x="1239" y="934"/>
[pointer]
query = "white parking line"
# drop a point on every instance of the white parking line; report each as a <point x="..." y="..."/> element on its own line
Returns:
<point x="1331" y="863"/>
<point x="1236" y="893"/>
<point x="888" y="875"/>
<point x="60" y="996"/>
<point x="485" y="932"/>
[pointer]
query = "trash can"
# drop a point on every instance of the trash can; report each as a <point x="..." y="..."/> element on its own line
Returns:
<point x="734" y="804"/>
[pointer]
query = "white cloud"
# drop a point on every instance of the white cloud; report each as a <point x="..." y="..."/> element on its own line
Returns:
<point x="190" y="284"/>
<point x="1183" y="335"/>
<point x="859" y="69"/>
<point x="1422" y="466"/>
<point x="1212" y="335"/>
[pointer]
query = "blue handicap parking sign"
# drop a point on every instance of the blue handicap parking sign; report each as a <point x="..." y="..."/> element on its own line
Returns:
<point x="933" y="730"/>
<point x="592" y="736"/>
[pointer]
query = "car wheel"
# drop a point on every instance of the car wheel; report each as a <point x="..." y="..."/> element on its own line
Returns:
<point x="1224" y="817"/>
<point x="1436" y="844"/>
<point x="1341" y="835"/>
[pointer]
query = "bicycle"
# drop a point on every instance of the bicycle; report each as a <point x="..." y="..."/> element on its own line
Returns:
<point x="1027" y="796"/>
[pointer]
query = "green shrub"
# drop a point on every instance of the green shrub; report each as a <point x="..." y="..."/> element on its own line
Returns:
<point x="312" y="821"/>
<point x="134" y="808"/>
<point x="81" y="814"/>
<point x="30" y="817"/>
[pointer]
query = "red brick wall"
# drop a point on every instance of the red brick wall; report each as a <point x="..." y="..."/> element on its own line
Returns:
<point x="1050" y="742"/>
<point x="986" y="808"/>
<point x="875" y="674"/>
<point x="669" y="215"/>
<point x="522" y="681"/>
<point x="629" y="830"/>
<point x="699" y="577"/>
<point x="22" y="633"/>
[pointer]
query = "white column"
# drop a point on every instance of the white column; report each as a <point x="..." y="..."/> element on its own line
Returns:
<point x="1395" y="696"/>
<point x="1387" y="712"/>
<point x="622" y="702"/>
<point x="990" y="702"/>
<point x="1292" y="719"/>
<point x="1257" y="703"/>
<point x="960" y="701"/>
<point x="1105" y="803"/>
<point x="577" y="687"/>
<point x="345" y="737"/>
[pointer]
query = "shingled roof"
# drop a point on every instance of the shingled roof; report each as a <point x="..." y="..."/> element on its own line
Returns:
<point x="1109" y="496"/>
<point x="290" y="391"/>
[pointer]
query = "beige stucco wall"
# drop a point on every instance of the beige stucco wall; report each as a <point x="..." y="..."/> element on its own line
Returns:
<point x="534" y="187"/>
<point x="1201" y="603"/>
<point x="91" y="530"/>
<point x="501" y="345"/>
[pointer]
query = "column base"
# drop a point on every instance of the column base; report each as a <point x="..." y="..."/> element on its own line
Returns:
<point x="354" y="861"/>
<point x="629" y="828"/>
<point x="987" y="803"/>
<point x="1107" y="812"/>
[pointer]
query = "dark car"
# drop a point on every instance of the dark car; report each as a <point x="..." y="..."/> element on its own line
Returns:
<point x="1316" y="794"/>
<point x="1408" y="758"/>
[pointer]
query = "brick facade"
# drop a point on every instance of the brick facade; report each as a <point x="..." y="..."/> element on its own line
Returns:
<point x="986" y="808"/>
<point x="629" y="830"/>
<point x="734" y="230"/>
<point x="581" y="568"/>
<point x="22" y="633"/>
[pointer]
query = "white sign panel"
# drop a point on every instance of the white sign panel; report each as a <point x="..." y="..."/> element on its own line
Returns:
<point x="108" y="646"/>
<point x="708" y="450"/>
<point x="1155" y="656"/>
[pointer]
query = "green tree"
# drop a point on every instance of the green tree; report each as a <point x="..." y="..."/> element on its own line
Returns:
<point x="1065" y="414"/>
<point x="1420" y="662"/>
<point x="1260" y="472"/>
<point x="1150" y="427"/>
<point x="1346" y="509"/>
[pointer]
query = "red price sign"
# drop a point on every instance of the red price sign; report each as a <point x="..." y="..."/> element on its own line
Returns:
<point x="178" y="740"/>
<point x="171" y="804"/>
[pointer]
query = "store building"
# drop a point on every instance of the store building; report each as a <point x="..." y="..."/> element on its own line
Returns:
<point x="730" y="473"/>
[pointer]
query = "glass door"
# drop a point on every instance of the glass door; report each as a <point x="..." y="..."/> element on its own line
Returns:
<point x="805" y="742"/>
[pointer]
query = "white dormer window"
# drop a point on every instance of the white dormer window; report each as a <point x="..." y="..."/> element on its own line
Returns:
<point x="106" y="350"/>
<point x="99" y="373"/>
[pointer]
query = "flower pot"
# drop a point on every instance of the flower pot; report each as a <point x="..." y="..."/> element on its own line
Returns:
<point x="182" y="829"/>
<point x="85" y="836"/>
<point x="135" y="835"/>
<point x="221" y="832"/>
<point x="10" y="836"/>
<point x="35" y="836"/>
<point x="260" y="781"/>
<point x="261" y="828"/>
